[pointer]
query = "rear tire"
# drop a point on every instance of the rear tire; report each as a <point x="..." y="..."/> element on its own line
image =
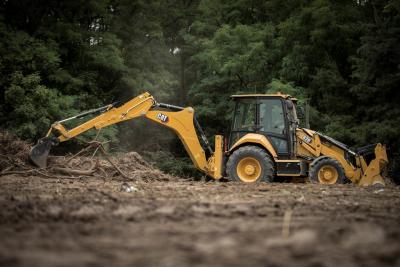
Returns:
<point x="250" y="164"/>
<point x="326" y="170"/>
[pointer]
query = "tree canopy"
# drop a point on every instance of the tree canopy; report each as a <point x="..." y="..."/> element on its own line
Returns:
<point x="62" y="57"/>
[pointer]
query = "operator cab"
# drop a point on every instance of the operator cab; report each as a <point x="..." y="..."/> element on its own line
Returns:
<point x="271" y="115"/>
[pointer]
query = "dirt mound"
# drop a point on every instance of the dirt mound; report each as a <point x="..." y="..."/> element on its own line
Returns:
<point x="131" y="166"/>
<point x="11" y="145"/>
<point x="13" y="151"/>
<point x="136" y="167"/>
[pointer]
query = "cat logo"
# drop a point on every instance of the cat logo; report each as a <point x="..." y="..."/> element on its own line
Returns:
<point x="307" y="139"/>
<point x="162" y="117"/>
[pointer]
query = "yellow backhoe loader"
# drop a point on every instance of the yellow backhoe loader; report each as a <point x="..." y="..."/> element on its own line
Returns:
<point x="265" y="141"/>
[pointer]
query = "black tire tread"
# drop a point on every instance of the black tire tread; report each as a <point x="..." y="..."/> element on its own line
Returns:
<point x="324" y="160"/>
<point x="246" y="150"/>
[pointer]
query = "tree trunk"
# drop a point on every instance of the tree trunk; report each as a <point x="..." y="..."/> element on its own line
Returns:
<point x="182" y="91"/>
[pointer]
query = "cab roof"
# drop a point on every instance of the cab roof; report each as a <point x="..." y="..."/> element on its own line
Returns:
<point x="278" y="95"/>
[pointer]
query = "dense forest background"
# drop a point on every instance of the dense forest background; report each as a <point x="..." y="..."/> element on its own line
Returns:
<point x="58" y="58"/>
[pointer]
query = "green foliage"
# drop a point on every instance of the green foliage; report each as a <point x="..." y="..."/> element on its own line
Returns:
<point x="51" y="67"/>
<point x="289" y="88"/>
<point x="234" y="59"/>
<point x="34" y="106"/>
<point x="62" y="57"/>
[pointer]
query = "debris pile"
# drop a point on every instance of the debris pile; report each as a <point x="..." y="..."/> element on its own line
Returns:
<point x="12" y="145"/>
<point x="136" y="167"/>
<point x="125" y="166"/>
<point x="13" y="151"/>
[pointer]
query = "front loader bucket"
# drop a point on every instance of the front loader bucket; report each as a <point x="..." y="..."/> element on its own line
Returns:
<point x="39" y="153"/>
<point x="376" y="170"/>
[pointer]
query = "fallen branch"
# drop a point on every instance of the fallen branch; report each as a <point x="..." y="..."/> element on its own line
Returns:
<point x="16" y="172"/>
<point x="73" y="171"/>
<point x="113" y="164"/>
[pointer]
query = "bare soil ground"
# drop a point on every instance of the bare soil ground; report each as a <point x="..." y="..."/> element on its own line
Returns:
<point x="48" y="218"/>
<point x="91" y="222"/>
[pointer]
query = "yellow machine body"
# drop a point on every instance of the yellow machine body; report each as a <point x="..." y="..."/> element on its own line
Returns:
<point x="358" y="172"/>
<point x="309" y="144"/>
<point x="181" y="122"/>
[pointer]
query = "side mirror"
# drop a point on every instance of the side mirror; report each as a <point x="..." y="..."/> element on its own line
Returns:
<point x="289" y="104"/>
<point x="303" y="114"/>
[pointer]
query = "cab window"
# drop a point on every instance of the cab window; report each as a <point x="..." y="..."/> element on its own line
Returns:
<point x="272" y="119"/>
<point x="245" y="116"/>
<point x="272" y="123"/>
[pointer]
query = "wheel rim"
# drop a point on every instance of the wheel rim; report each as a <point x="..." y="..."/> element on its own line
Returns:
<point x="248" y="169"/>
<point x="328" y="175"/>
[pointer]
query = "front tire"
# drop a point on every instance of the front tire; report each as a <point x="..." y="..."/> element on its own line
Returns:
<point x="326" y="170"/>
<point x="250" y="164"/>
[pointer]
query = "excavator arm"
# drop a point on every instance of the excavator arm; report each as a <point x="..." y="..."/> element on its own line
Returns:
<point x="181" y="120"/>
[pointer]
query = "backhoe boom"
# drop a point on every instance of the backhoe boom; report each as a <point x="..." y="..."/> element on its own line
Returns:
<point x="180" y="120"/>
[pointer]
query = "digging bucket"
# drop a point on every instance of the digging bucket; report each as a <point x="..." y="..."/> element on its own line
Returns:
<point x="39" y="153"/>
